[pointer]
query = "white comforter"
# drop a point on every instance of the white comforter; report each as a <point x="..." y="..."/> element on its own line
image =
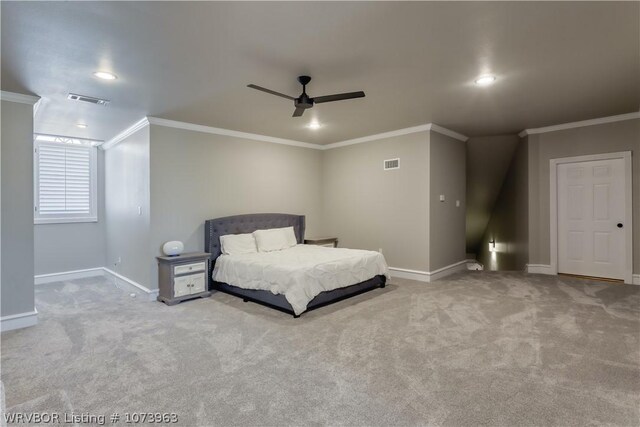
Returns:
<point x="301" y="272"/>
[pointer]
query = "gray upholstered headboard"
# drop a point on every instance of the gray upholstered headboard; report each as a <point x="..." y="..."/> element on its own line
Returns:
<point x="238" y="224"/>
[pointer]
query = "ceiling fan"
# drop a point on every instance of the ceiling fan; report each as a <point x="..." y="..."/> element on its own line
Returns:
<point x="304" y="101"/>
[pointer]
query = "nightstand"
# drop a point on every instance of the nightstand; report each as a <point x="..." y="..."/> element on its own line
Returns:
<point x="330" y="242"/>
<point x="183" y="277"/>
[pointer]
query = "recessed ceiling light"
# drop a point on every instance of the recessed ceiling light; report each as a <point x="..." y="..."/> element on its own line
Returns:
<point x="105" y="75"/>
<point x="314" y="125"/>
<point x="485" y="80"/>
<point x="82" y="125"/>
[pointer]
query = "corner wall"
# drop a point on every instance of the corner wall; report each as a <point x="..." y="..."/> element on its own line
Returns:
<point x="367" y="207"/>
<point x="399" y="211"/>
<point x="17" y="287"/>
<point x="447" y="171"/>
<point x="127" y="214"/>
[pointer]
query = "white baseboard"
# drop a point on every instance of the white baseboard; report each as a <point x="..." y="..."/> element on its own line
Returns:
<point x="636" y="279"/>
<point x="94" y="272"/>
<point x="68" y="275"/>
<point x="428" y="276"/>
<point x="403" y="273"/>
<point x="18" y="321"/>
<point x="448" y="270"/>
<point x="151" y="294"/>
<point x="540" y="269"/>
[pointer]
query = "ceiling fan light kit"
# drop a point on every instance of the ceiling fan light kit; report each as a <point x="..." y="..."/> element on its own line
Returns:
<point x="304" y="101"/>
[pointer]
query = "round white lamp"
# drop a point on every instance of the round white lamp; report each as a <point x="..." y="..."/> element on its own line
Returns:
<point x="173" y="248"/>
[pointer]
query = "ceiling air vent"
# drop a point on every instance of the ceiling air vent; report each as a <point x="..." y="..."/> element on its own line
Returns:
<point x="89" y="99"/>
<point x="391" y="164"/>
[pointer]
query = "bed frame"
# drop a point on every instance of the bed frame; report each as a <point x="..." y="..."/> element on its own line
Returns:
<point x="238" y="224"/>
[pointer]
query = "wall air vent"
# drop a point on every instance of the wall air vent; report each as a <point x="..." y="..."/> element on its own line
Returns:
<point x="89" y="99"/>
<point x="391" y="164"/>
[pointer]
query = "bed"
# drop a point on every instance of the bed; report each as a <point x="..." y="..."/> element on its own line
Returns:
<point x="300" y="254"/>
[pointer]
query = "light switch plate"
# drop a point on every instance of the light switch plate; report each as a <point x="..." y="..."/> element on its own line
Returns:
<point x="457" y="203"/>
<point x="442" y="197"/>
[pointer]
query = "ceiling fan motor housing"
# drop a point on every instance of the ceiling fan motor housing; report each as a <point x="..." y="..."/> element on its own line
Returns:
<point x="303" y="101"/>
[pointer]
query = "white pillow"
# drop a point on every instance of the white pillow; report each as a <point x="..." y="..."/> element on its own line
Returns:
<point x="275" y="239"/>
<point x="236" y="244"/>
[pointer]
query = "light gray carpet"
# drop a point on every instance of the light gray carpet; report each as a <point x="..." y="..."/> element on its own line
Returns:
<point x="477" y="348"/>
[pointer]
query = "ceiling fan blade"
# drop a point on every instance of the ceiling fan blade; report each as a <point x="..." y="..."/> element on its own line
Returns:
<point x="272" y="92"/>
<point x="338" y="97"/>
<point x="298" y="112"/>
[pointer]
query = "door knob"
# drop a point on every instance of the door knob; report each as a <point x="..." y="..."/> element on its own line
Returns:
<point x="620" y="225"/>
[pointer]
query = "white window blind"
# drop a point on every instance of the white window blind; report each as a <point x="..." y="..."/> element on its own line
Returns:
<point x="65" y="181"/>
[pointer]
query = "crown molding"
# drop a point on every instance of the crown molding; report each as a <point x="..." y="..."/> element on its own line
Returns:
<point x="36" y="106"/>
<point x="406" y="131"/>
<point x="391" y="134"/>
<point x="448" y="132"/>
<point x="140" y="124"/>
<point x="583" y="123"/>
<point x="146" y="121"/>
<point x="227" y="132"/>
<point x="18" y="97"/>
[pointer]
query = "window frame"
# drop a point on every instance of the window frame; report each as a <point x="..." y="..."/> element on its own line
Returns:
<point x="92" y="216"/>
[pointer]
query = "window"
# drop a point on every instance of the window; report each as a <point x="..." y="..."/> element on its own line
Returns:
<point x="65" y="180"/>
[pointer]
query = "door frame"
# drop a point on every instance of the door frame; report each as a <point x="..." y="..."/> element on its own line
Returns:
<point x="628" y="211"/>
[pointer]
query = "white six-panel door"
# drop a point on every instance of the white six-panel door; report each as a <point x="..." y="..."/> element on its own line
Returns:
<point x="591" y="216"/>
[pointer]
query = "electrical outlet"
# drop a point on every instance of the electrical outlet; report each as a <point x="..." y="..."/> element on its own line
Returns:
<point x="442" y="197"/>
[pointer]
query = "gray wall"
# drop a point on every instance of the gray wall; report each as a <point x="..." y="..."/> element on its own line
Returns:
<point x="369" y="208"/>
<point x="509" y="222"/>
<point x="447" y="172"/>
<point x="605" y="138"/>
<point x="488" y="159"/>
<point x="198" y="176"/>
<point x="17" y="291"/>
<point x="73" y="246"/>
<point x="126" y="189"/>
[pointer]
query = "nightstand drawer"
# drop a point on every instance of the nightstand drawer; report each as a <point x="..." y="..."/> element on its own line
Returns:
<point x="186" y="285"/>
<point x="189" y="268"/>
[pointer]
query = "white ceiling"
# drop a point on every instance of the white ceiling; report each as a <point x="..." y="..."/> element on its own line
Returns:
<point x="555" y="63"/>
